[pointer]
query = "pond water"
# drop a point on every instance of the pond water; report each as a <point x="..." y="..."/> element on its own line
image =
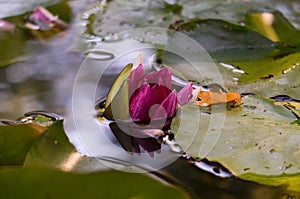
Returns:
<point x="44" y="80"/>
<point x="43" y="72"/>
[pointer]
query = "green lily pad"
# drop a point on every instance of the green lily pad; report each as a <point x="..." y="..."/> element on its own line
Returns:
<point x="267" y="67"/>
<point x="50" y="150"/>
<point x="96" y="22"/>
<point x="45" y="183"/>
<point x="12" y="46"/>
<point x="16" y="141"/>
<point x="53" y="150"/>
<point x="225" y="41"/>
<point x="292" y="181"/>
<point x="253" y="55"/>
<point x="126" y="15"/>
<point x="235" y="10"/>
<point x="286" y="84"/>
<point x="273" y="26"/>
<point x="256" y="138"/>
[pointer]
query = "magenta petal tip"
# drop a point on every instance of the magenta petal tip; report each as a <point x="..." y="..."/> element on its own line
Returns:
<point x="184" y="94"/>
<point x="167" y="107"/>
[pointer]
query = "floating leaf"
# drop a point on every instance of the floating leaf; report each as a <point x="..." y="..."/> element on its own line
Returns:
<point x="44" y="183"/>
<point x="12" y="47"/>
<point x="293" y="181"/>
<point x="268" y="66"/>
<point x="225" y="41"/>
<point x="235" y="10"/>
<point x="273" y="26"/>
<point x="251" y="55"/>
<point x="256" y="138"/>
<point x="16" y="141"/>
<point x="126" y="15"/>
<point x="53" y="150"/>
<point x="286" y="84"/>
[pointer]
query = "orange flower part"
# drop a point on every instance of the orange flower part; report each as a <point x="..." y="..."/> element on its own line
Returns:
<point x="207" y="98"/>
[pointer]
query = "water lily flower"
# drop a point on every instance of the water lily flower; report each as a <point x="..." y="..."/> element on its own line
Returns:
<point x="6" y="26"/>
<point x="150" y="95"/>
<point x="42" y="19"/>
<point x="151" y="100"/>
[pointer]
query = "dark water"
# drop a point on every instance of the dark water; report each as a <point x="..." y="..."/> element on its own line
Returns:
<point x="201" y="184"/>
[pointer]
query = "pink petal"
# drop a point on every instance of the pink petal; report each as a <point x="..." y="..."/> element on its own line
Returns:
<point x="184" y="94"/>
<point x="139" y="103"/>
<point x="162" y="77"/>
<point x="6" y="26"/>
<point x="42" y="14"/>
<point x="137" y="62"/>
<point x="167" y="107"/>
<point x="135" y="77"/>
<point x="159" y="94"/>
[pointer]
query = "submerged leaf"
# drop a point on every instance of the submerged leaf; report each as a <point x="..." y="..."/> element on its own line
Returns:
<point x="45" y="183"/>
<point x="16" y="141"/>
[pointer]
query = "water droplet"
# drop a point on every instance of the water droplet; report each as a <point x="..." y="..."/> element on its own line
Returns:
<point x="7" y="122"/>
<point x="227" y="66"/>
<point x="235" y="80"/>
<point x="99" y="54"/>
<point x="214" y="168"/>
<point x="52" y="116"/>
<point x="112" y="37"/>
<point x="176" y="148"/>
<point x="238" y="71"/>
